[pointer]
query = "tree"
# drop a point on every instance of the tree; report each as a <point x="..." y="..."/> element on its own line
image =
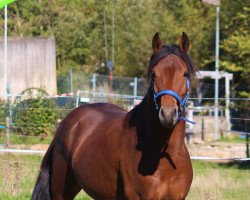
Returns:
<point x="78" y="27"/>
<point x="235" y="45"/>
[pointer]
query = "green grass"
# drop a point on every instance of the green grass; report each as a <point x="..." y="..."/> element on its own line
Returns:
<point x="233" y="139"/>
<point x="25" y="140"/>
<point x="225" y="181"/>
<point x="213" y="181"/>
<point x="18" y="175"/>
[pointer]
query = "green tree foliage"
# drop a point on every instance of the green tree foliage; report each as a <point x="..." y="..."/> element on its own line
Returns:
<point x="235" y="45"/>
<point x="78" y="27"/>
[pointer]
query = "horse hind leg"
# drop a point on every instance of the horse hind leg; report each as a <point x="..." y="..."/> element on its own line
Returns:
<point x="63" y="181"/>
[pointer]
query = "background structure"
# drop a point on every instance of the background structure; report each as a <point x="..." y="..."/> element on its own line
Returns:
<point x="31" y="63"/>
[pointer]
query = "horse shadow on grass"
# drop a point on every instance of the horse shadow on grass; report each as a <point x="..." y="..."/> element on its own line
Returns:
<point x="242" y="165"/>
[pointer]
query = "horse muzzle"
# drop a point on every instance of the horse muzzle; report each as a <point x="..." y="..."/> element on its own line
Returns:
<point x="168" y="116"/>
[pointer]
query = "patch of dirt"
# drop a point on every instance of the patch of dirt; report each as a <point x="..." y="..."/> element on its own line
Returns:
<point x="42" y="147"/>
<point x="218" y="150"/>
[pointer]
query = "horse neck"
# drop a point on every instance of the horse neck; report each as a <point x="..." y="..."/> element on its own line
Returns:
<point x="151" y="132"/>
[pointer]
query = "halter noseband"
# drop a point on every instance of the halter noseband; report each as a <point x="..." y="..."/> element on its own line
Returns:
<point x="182" y="102"/>
<point x="165" y="51"/>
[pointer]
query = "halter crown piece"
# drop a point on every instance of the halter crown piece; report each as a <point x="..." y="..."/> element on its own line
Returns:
<point x="182" y="102"/>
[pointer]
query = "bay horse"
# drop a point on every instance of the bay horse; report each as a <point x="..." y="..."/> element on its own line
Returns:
<point x="116" y="155"/>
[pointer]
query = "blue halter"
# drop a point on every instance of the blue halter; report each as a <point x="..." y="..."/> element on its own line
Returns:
<point x="182" y="103"/>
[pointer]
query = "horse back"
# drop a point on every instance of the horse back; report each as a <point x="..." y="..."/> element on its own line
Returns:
<point x="85" y="122"/>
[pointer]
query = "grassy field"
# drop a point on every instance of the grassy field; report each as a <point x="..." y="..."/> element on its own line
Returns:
<point x="212" y="181"/>
<point x="26" y="141"/>
<point x="227" y="181"/>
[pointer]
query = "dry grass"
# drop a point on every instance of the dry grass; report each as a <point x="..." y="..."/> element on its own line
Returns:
<point x="211" y="181"/>
<point x="18" y="175"/>
<point x="220" y="182"/>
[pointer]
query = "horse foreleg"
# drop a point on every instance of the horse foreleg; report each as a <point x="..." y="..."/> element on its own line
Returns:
<point x="64" y="184"/>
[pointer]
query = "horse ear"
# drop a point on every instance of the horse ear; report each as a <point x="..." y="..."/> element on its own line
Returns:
<point x="156" y="43"/>
<point x="184" y="43"/>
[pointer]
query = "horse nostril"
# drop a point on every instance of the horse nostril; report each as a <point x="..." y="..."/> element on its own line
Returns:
<point x="163" y="113"/>
<point x="174" y="111"/>
<point x="166" y="116"/>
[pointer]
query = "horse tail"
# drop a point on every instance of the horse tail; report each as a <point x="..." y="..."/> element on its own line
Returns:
<point x="42" y="188"/>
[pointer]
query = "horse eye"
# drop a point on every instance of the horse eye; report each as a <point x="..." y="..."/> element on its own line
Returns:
<point x="186" y="75"/>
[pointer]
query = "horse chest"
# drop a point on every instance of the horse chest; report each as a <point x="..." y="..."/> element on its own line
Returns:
<point x="166" y="182"/>
<point x="172" y="188"/>
<point x="169" y="186"/>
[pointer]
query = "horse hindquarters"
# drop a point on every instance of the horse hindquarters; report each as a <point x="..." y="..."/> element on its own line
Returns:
<point x="42" y="187"/>
<point x="55" y="180"/>
<point x="63" y="182"/>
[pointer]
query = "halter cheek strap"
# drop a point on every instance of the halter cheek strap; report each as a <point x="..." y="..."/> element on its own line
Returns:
<point x="182" y="103"/>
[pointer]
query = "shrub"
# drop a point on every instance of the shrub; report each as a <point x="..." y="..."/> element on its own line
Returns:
<point x="34" y="113"/>
<point x="4" y="111"/>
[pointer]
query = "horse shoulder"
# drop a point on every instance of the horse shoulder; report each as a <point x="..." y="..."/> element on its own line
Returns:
<point x="91" y="137"/>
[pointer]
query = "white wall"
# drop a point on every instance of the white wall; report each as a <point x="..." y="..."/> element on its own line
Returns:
<point x="31" y="63"/>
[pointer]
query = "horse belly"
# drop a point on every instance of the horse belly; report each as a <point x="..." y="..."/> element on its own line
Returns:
<point x="95" y="184"/>
<point x="95" y="164"/>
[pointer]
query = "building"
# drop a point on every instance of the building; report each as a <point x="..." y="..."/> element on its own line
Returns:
<point x="31" y="63"/>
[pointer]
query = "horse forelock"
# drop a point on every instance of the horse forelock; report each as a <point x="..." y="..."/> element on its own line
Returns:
<point x="166" y="51"/>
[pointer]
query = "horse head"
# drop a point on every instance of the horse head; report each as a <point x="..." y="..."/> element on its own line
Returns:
<point x="170" y="71"/>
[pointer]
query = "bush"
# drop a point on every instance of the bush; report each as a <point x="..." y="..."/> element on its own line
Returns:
<point x="34" y="113"/>
<point x="4" y="111"/>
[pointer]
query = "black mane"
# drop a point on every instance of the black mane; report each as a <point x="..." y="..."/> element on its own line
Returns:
<point x="172" y="49"/>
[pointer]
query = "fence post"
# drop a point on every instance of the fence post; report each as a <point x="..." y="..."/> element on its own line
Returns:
<point x="9" y="102"/>
<point x="94" y="83"/>
<point x="227" y="111"/>
<point x="202" y="129"/>
<point x="77" y="98"/>
<point x="247" y="145"/>
<point x="135" y="89"/>
<point x="7" y="131"/>
<point x="247" y="139"/>
<point x="71" y="80"/>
